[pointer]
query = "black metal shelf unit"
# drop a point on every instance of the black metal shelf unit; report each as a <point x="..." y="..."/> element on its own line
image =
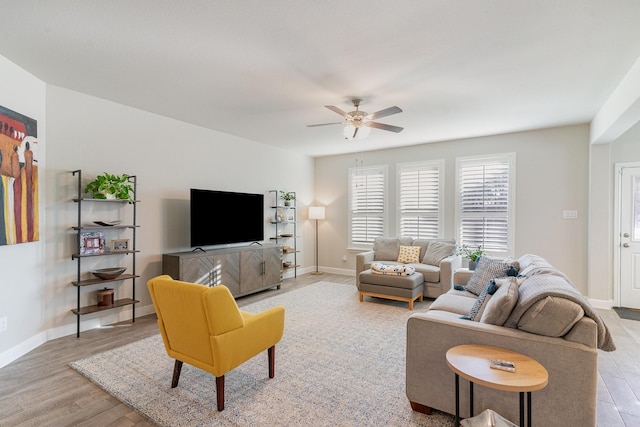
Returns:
<point x="78" y="256"/>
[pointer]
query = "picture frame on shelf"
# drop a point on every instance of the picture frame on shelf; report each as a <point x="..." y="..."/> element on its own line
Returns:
<point x="92" y="243"/>
<point x="280" y="215"/>
<point x="119" y="245"/>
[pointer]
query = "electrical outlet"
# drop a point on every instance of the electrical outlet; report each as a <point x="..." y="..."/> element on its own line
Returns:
<point x="3" y="323"/>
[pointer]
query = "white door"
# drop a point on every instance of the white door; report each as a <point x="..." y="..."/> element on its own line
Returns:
<point x="630" y="237"/>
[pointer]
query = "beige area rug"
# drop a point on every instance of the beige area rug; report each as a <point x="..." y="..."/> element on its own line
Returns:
<point x="340" y="363"/>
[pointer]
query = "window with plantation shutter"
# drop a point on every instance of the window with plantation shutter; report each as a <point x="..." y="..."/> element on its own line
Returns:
<point x="484" y="203"/>
<point x="367" y="204"/>
<point x="420" y="202"/>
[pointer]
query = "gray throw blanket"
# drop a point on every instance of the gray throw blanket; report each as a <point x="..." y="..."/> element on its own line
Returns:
<point x="542" y="285"/>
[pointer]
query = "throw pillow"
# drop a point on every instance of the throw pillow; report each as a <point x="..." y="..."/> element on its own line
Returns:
<point x="481" y="302"/>
<point x="409" y="254"/>
<point x="502" y="302"/>
<point x="551" y="317"/>
<point x="385" y="248"/>
<point x="437" y="251"/>
<point x="487" y="269"/>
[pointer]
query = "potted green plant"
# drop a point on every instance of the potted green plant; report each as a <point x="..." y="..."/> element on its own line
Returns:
<point x="471" y="253"/>
<point x="287" y="197"/>
<point x="108" y="186"/>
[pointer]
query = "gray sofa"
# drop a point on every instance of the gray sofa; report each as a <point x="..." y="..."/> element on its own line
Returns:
<point x="539" y="314"/>
<point x="436" y="264"/>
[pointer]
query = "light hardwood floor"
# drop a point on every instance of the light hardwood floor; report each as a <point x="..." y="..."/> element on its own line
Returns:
<point x="40" y="389"/>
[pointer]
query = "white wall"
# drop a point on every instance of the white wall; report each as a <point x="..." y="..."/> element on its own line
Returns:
<point x="21" y="281"/>
<point x="552" y="176"/>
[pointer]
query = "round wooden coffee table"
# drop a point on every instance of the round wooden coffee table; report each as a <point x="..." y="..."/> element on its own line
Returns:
<point x="472" y="362"/>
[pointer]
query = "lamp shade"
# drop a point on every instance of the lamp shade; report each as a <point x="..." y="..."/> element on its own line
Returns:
<point x="316" y="212"/>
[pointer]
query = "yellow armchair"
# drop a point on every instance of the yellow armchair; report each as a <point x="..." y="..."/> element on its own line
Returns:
<point x="204" y="327"/>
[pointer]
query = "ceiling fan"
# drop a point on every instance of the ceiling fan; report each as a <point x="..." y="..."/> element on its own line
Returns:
<point x="359" y="123"/>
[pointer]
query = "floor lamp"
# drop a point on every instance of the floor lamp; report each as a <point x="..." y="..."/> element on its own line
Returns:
<point x="316" y="212"/>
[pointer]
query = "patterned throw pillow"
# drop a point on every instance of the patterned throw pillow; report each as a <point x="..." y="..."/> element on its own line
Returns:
<point x="409" y="254"/>
<point x="481" y="302"/>
<point x="487" y="269"/>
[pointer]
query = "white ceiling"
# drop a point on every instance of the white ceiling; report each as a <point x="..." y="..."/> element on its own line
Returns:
<point x="263" y="69"/>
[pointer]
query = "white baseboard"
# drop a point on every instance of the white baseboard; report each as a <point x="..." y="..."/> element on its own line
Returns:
<point x="40" y="338"/>
<point x="21" y="349"/>
<point x="601" y="304"/>
<point x="342" y="271"/>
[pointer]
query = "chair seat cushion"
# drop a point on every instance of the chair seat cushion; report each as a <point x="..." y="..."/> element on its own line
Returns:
<point x="405" y="282"/>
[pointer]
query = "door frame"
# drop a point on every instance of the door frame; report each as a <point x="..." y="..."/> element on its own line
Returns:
<point x="617" y="229"/>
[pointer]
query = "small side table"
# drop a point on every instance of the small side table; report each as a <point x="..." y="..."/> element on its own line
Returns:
<point x="472" y="362"/>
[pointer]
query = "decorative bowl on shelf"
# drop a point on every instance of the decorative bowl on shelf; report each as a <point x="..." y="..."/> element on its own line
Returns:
<point x="107" y="223"/>
<point x="108" y="273"/>
<point x="286" y="235"/>
<point x="286" y="264"/>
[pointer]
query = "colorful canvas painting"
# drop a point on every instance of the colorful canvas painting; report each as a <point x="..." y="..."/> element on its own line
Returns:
<point x="19" y="178"/>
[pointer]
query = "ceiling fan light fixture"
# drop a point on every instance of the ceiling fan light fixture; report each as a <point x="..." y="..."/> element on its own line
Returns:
<point x="358" y="124"/>
<point x="350" y="130"/>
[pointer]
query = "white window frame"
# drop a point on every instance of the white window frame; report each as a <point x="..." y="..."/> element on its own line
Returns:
<point x="439" y="215"/>
<point x="354" y="171"/>
<point x="510" y="159"/>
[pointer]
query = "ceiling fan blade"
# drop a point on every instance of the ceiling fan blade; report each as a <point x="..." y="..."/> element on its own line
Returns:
<point x="355" y="133"/>
<point x="339" y="111"/>
<point x="382" y="126"/>
<point x="383" y="113"/>
<point x="325" y="124"/>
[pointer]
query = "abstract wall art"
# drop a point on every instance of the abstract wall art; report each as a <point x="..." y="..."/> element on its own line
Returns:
<point x="19" y="217"/>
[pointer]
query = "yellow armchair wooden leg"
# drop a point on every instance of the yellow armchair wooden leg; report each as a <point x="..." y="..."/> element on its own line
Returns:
<point x="177" y="368"/>
<point x="271" y="353"/>
<point x="220" y="392"/>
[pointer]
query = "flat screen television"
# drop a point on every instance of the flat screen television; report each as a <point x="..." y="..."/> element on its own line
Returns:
<point x="223" y="217"/>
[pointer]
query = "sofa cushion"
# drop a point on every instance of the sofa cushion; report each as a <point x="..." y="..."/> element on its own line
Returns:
<point x="487" y="269"/>
<point x="431" y="273"/>
<point x="368" y="277"/>
<point x="551" y="316"/>
<point x="453" y="303"/>
<point x="437" y="251"/>
<point x="386" y="249"/>
<point x="409" y="254"/>
<point x="502" y="302"/>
